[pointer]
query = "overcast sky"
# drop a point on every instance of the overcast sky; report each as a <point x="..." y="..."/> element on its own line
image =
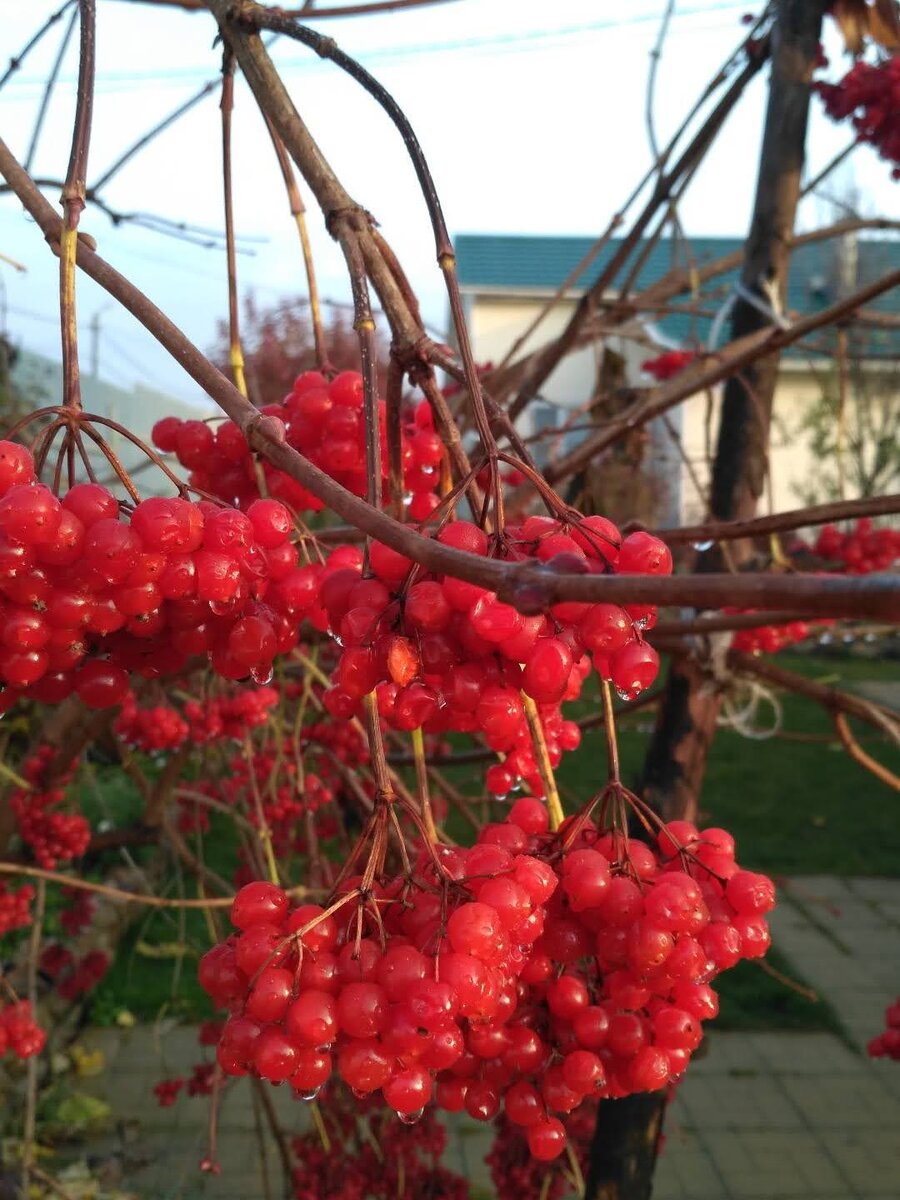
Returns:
<point x="531" y="116"/>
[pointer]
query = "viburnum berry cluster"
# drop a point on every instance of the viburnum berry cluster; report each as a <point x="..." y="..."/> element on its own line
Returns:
<point x="445" y="655"/>
<point x="73" y="977"/>
<point x="769" y="639"/>
<point x="533" y="970"/>
<point x="862" y="549"/>
<point x="887" y="1043"/>
<point x="15" y="907"/>
<point x="391" y="1161"/>
<point x="668" y="364"/>
<point x="19" y="1031"/>
<point x="91" y="593"/>
<point x="222" y="717"/>
<point x="325" y="421"/>
<point x="868" y="94"/>
<point x="52" y="836"/>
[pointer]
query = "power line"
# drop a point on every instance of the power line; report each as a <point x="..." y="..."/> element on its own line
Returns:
<point x="503" y="43"/>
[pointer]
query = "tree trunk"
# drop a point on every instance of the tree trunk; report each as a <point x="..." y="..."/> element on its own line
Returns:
<point x="623" y="1153"/>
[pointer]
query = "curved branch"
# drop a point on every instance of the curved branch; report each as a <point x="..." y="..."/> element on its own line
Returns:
<point x="831" y="699"/>
<point x="856" y="752"/>
<point x="785" y="522"/>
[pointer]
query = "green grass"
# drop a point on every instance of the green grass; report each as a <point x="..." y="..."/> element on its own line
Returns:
<point x="794" y="807"/>
<point x="751" y="1000"/>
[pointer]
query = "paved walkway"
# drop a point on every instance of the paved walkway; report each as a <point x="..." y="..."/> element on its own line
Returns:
<point x="774" y="1116"/>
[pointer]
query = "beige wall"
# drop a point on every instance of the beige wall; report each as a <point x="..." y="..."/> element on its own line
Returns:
<point x="496" y="321"/>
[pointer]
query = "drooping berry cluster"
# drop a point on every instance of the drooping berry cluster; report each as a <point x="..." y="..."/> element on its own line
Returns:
<point x="15" y="907"/>
<point x="868" y="94"/>
<point x="527" y="971"/>
<point x="73" y="977"/>
<point x="52" y="836"/>
<point x="668" y="364"/>
<point x="447" y="655"/>
<point x="19" y="1031"/>
<point x="388" y="1162"/>
<point x="887" y="1044"/>
<point x="863" y="549"/>
<point x="89" y="595"/>
<point x="326" y="423"/>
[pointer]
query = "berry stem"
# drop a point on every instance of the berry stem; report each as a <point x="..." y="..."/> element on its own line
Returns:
<point x="298" y="212"/>
<point x="422" y="782"/>
<point x="542" y="758"/>
<point x="226" y="106"/>
<point x="265" y="833"/>
<point x="609" y="725"/>
<point x="31" y="1085"/>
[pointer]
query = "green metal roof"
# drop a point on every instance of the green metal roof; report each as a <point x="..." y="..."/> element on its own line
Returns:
<point x="500" y="262"/>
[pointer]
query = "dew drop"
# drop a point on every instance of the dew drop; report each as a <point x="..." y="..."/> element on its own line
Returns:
<point x="262" y="675"/>
<point x="628" y="693"/>
<point x="410" y="1118"/>
<point x="702" y="547"/>
<point x="309" y="1095"/>
<point x="221" y="608"/>
<point x="641" y="622"/>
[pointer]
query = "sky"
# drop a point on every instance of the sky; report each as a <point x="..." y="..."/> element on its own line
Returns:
<point x="531" y="116"/>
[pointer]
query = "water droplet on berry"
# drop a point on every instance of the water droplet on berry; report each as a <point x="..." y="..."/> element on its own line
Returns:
<point x="221" y="608"/>
<point x="311" y="1095"/>
<point x="702" y="547"/>
<point x="262" y="675"/>
<point x="410" y="1118"/>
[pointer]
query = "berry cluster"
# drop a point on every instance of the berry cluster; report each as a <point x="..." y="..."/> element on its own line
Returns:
<point x="88" y="596"/>
<point x="447" y="655"/>
<point x="388" y="1163"/>
<point x="78" y="912"/>
<point x="769" y="639"/>
<point x="863" y="549"/>
<point x="71" y="977"/>
<point x="15" y="907"/>
<point x="887" y="1044"/>
<point x="668" y="364"/>
<point x="166" y="1091"/>
<point x="52" y="836"/>
<point x="326" y="423"/>
<point x="161" y="727"/>
<point x="19" y="1032"/>
<point x="528" y="970"/>
<point x="869" y="94"/>
<point x="515" y="1173"/>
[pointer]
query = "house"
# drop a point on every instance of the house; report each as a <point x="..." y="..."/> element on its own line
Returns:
<point x="506" y="281"/>
<point x="38" y="381"/>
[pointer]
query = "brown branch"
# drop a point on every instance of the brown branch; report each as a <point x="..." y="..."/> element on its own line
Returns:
<point x="831" y="699"/>
<point x="785" y="522"/>
<point x="856" y="752"/>
<point x="113" y="893"/>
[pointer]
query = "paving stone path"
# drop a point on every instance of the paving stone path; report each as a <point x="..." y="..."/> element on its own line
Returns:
<point x="768" y="1116"/>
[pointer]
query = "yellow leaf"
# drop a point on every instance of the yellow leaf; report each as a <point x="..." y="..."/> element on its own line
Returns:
<point x="165" y="950"/>
<point x="87" y="1062"/>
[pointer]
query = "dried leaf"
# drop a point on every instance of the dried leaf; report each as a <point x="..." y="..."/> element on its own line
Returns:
<point x="852" y="17"/>
<point x="884" y="24"/>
